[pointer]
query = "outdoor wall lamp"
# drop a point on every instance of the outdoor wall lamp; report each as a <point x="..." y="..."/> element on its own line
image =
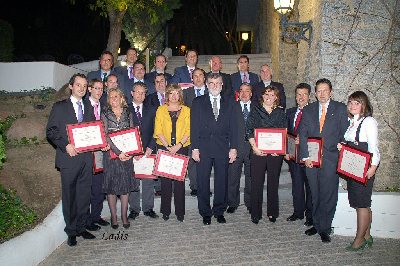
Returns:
<point x="293" y="31"/>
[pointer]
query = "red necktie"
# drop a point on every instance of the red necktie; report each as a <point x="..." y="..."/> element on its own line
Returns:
<point x="297" y="122"/>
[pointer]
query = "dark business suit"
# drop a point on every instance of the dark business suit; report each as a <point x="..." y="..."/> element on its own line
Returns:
<point x="227" y="87"/>
<point x="260" y="86"/>
<point x="76" y="171"/>
<point x="150" y="77"/>
<point x="181" y="75"/>
<point x="235" y="169"/>
<point x="189" y="95"/>
<point x="146" y="127"/>
<point x="213" y="139"/>
<point x="301" y="197"/>
<point x="152" y="100"/>
<point x="323" y="181"/>
<point x="127" y="86"/>
<point x="236" y="80"/>
<point x="96" y="74"/>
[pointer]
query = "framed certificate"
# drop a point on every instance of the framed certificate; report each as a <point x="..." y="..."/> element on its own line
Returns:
<point x="292" y="147"/>
<point x="271" y="140"/>
<point x="87" y="136"/>
<point x="127" y="140"/>
<point x="97" y="162"/>
<point x="184" y="86"/>
<point x="354" y="163"/>
<point x="172" y="166"/>
<point x="144" y="166"/>
<point x="315" y="145"/>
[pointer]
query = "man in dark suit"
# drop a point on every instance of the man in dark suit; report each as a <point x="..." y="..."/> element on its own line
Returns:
<point x="157" y="98"/>
<point x="243" y="75"/>
<point x="139" y="70"/>
<point x="184" y="73"/>
<point x="127" y="69"/>
<point x="300" y="189"/>
<point x="106" y="63"/>
<point x="216" y="66"/>
<point x="266" y="80"/>
<point x="243" y="107"/>
<point x="143" y="117"/>
<point x="325" y="118"/>
<point x="75" y="167"/>
<point x="160" y="63"/>
<point x="214" y="143"/>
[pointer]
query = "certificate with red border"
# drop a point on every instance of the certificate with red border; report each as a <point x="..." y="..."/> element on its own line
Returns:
<point x="172" y="166"/>
<point x="144" y="166"/>
<point x="292" y="147"/>
<point x="315" y="147"/>
<point x="97" y="162"/>
<point x="87" y="136"/>
<point x="271" y="140"/>
<point x="184" y="86"/>
<point x="354" y="163"/>
<point x="127" y="140"/>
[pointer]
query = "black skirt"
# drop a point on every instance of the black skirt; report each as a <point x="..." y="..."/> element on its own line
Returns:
<point x="359" y="194"/>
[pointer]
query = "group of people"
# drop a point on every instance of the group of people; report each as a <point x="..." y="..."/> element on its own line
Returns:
<point x="213" y="122"/>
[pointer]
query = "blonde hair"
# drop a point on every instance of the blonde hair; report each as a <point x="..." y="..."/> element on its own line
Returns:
<point x="173" y="87"/>
<point x="119" y="91"/>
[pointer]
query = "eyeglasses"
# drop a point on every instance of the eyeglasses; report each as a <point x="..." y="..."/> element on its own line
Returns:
<point x="214" y="84"/>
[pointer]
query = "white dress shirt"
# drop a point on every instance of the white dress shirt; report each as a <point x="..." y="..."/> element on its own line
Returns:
<point x="75" y="105"/>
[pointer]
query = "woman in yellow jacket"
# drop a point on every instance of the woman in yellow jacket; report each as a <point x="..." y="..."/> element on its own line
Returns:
<point x="172" y="133"/>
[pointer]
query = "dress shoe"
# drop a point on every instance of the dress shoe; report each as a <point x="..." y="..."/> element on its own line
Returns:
<point x="207" y="220"/>
<point x="102" y="222"/>
<point x="126" y="226"/>
<point x="255" y="220"/>
<point x="272" y="219"/>
<point x="114" y="226"/>
<point x="133" y="214"/>
<point x="193" y="192"/>
<point x="86" y="235"/>
<point x="220" y="219"/>
<point x="180" y="218"/>
<point x="308" y="222"/>
<point x="231" y="209"/>
<point x="369" y="241"/>
<point x="294" y="217"/>
<point x="157" y="193"/>
<point x="92" y="227"/>
<point x="71" y="241"/>
<point x="151" y="214"/>
<point x="165" y="217"/>
<point x="326" y="238"/>
<point x="310" y="232"/>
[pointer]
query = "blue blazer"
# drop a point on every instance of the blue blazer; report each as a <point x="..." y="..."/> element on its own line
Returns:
<point x="189" y="94"/>
<point x="146" y="128"/>
<point x="181" y="75"/>
<point x="152" y="75"/>
<point x="97" y="75"/>
<point x="236" y="80"/>
<point x="213" y="138"/>
<point x="127" y="88"/>
<point x="152" y="100"/>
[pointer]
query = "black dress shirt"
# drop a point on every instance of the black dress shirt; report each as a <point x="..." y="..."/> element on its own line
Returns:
<point x="260" y="118"/>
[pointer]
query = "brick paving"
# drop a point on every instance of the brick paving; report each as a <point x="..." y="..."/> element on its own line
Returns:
<point x="239" y="241"/>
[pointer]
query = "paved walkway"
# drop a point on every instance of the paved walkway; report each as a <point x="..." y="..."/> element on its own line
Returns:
<point x="239" y="241"/>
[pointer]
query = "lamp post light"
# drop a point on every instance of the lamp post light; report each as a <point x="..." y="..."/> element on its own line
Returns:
<point x="294" y="31"/>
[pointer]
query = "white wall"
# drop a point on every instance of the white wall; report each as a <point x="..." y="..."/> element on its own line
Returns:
<point x="16" y="77"/>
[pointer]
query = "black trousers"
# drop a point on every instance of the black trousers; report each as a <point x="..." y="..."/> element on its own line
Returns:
<point x="97" y="197"/>
<point x="301" y="192"/>
<point x="76" y="186"/>
<point x="259" y="165"/>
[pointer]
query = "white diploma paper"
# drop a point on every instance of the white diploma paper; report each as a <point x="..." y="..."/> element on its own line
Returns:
<point x="313" y="149"/>
<point x="125" y="142"/>
<point x="98" y="159"/>
<point x="270" y="141"/>
<point x="291" y="142"/>
<point x="87" y="136"/>
<point x="353" y="163"/>
<point x="170" y="165"/>
<point x="144" y="166"/>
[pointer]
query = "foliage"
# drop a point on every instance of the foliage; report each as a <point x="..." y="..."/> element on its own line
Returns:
<point x="24" y="141"/>
<point x="6" y="43"/>
<point x="2" y="151"/>
<point x="15" y="217"/>
<point x="4" y="126"/>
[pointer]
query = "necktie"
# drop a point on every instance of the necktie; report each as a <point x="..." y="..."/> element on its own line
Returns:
<point x="215" y="108"/>
<point x="297" y="122"/>
<point x="139" y="116"/>
<point x="191" y="74"/>
<point x="130" y="74"/>
<point x="245" y="79"/>
<point x="162" y="99"/>
<point x="198" y="93"/>
<point x="322" y="119"/>
<point x="245" y="112"/>
<point x="104" y="77"/>
<point x="80" y="111"/>
<point x="96" y="111"/>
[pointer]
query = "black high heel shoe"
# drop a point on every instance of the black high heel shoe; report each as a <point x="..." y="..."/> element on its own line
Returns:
<point x="114" y="226"/>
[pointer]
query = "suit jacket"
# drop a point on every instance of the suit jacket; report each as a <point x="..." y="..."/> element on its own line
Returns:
<point x="189" y="95"/>
<point x="97" y="75"/>
<point x="227" y="87"/>
<point x="260" y="86"/>
<point x="336" y="123"/>
<point x="146" y="127"/>
<point x="213" y="138"/>
<point x="61" y="115"/>
<point x="121" y="71"/>
<point x="152" y="100"/>
<point x="241" y="128"/>
<point x="152" y="75"/>
<point x="181" y="75"/>
<point x="290" y="113"/>
<point x="236" y="80"/>
<point x="127" y="86"/>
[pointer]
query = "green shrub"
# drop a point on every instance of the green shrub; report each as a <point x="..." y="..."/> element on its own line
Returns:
<point x="2" y="151"/>
<point x="15" y="217"/>
<point x="7" y="40"/>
